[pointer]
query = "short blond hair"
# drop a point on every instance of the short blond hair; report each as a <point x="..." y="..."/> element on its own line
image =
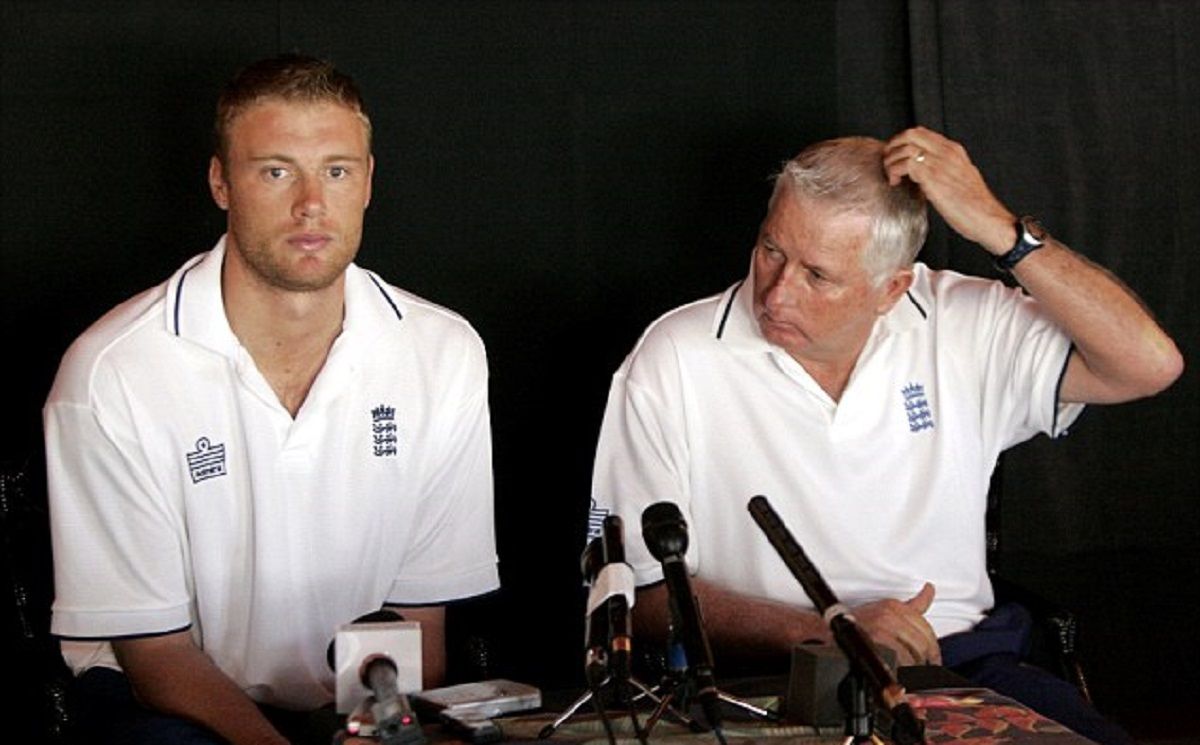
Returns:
<point x="289" y="77"/>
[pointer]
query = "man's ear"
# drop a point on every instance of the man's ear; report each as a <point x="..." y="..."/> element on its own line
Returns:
<point x="894" y="288"/>
<point x="217" y="184"/>
<point x="370" y="179"/>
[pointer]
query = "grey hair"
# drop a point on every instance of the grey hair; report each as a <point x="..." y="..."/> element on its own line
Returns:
<point x="848" y="173"/>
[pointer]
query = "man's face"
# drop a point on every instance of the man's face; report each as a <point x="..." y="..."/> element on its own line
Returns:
<point x="813" y="298"/>
<point x="295" y="181"/>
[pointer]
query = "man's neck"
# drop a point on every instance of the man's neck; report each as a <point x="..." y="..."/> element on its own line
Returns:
<point x="833" y="372"/>
<point x="288" y="334"/>
<point x="832" y="376"/>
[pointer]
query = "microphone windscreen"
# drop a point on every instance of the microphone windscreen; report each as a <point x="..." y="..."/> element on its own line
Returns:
<point x="664" y="530"/>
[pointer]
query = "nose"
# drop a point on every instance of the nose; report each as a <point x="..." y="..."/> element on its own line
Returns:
<point x="310" y="198"/>
<point x="778" y="289"/>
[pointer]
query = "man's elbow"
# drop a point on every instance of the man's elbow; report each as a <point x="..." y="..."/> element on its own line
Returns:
<point x="1150" y="376"/>
<point x="1136" y="377"/>
<point x="1164" y="370"/>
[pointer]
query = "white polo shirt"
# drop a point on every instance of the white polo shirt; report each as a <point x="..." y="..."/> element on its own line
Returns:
<point x="884" y="490"/>
<point x="182" y="493"/>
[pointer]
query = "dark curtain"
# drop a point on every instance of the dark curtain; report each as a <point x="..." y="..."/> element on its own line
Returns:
<point x="1083" y="113"/>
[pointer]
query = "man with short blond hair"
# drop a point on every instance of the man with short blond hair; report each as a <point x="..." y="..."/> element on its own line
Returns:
<point x="268" y="445"/>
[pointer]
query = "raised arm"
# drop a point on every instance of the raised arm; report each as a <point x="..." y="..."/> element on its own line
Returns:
<point x="1120" y="351"/>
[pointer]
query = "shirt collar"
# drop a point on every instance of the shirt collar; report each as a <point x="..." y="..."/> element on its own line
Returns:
<point x="195" y="309"/>
<point x="371" y="303"/>
<point x="734" y="322"/>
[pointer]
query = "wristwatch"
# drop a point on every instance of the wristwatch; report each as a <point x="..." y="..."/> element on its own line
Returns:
<point x="1030" y="237"/>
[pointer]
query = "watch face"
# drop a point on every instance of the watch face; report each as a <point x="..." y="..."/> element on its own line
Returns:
<point x="1034" y="232"/>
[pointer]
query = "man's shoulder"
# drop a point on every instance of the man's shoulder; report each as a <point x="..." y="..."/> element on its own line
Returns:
<point x="945" y="290"/>
<point x="417" y="316"/>
<point x="677" y="340"/>
<point x="942" y="282"/>
<point x="684" y="326"/>
<point x="123" y="332"/>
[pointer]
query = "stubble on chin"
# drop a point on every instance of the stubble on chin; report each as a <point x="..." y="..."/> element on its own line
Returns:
<point x="305" y="274"/>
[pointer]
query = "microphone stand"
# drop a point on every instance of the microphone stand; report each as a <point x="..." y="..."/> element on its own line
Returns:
<point x="596" y="691"/>
<point x="859" y="722"/>
<point x="665" y="533"/>
<point x="680" y="686"/>
<point x="606" y="664"/>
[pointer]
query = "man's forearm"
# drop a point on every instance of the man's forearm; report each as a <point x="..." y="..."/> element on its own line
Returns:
<point x="1123" y="352"/>
<point x="755" y="628"/>
<point x="171" y="675"/>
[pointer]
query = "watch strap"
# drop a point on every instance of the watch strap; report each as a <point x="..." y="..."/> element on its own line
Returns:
<point x="1028" y="241"/>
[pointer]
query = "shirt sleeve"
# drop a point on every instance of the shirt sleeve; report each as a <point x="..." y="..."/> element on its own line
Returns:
<point x="642" y="453"/>
<point x="1023" y="356"/>
<point x="118" y="552"/>
<point x="455" y="556"/>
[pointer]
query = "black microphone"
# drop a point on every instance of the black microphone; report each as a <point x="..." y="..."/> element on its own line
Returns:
<point x="665" y="533"/>
<point x="864" y="659"/>
<point x="620" y="600"/>
<point x="595" y="628"/>
<point x="609" y="602"/>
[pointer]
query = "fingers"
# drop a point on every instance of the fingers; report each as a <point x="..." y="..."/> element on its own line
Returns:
<point x="907" y="152"/>
<point x="901" y="626"/>
<point x="923" y="599"/>
<point x="953" y="185"/>
<point x="919" y="639"/>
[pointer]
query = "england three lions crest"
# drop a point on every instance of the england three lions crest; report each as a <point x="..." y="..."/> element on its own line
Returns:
<point x="916" y="407"/>
<point x="384" y="432"/>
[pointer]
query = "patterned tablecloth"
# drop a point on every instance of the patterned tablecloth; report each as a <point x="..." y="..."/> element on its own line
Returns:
<point x="971" y="716"/>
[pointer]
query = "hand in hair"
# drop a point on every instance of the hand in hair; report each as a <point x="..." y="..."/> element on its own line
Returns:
<point x="953" y="186"/>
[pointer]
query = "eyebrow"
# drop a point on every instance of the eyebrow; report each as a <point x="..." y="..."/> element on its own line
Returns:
<point x="289" y="159"/>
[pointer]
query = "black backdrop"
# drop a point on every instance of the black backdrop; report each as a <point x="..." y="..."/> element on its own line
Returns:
<point x="561" y="173"/>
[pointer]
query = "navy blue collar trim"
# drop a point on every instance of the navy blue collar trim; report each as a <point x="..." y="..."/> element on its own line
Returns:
<point x="387" y="297"/>
<point x="179" y="294"/>
<point x="728" y="308"/>
<point x="917" y="305"/>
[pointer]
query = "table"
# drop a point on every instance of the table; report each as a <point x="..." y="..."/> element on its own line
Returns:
<point x="953" y="710"/>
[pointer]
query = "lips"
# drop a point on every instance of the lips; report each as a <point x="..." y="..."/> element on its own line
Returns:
<point x="309" y="241"/>
<point x="779" y="332"/>
<point x="767" y="321"/>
